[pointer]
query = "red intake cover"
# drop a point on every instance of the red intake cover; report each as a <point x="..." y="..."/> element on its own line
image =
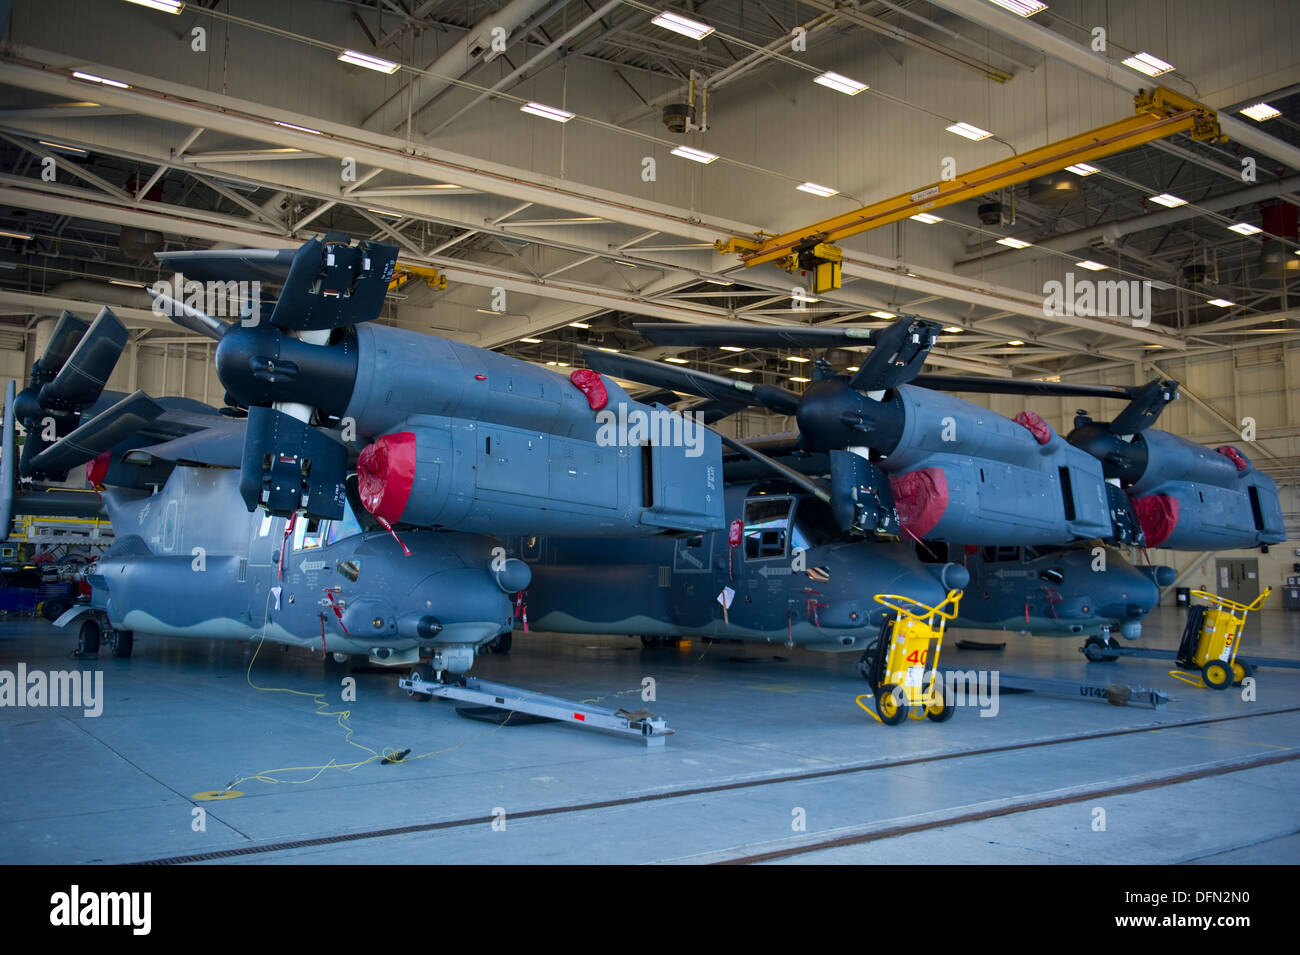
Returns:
<point x="97" y="469"/>
<point x="921" y="498"/>
<point x="735" y="533"/>
<point x="385" y="474"/>
<point x="589" y="383"/>
<point x="1158" y="516"/>
<point x="1039" y="428"/>
<point x="1235" y="456"/>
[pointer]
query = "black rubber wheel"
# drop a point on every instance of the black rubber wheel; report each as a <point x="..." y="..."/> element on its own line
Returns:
<point x="331" y="663"/>
<point x="651" y="642"/>
<point x="420" y="672"/>
<point x="123" y="644"/>
<point x="891" y="704"/>
<point x="1216" y="674"/>
<point x="941" y="710"/>
<point x="1241" y="669"/>
<point x="88" y="639"/>
<point x="52" y="610"/>
<point x="501" y="643"/>
<point x="1095" y="649"/>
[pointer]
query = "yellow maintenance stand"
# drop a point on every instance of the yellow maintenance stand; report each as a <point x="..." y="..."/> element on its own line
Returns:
<point x="1211" y="640"/>
<point x="903" y="670"/>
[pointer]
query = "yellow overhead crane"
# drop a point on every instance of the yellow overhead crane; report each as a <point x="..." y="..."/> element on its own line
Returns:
<point x="1159" y="114"/>
<point x="404" y="272"/>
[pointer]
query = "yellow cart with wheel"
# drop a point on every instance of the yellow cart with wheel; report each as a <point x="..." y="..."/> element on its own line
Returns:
<point x="1211" y="640"/>
<point x="903" y="670"/>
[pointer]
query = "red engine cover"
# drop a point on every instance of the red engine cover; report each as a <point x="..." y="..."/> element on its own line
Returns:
<point x="97" y="469"/>
<point x="386" y="473"/>
<point x="589" y="383"/>
<point x="1039" y="428"/>
<point x="921" y="498"/>
<point x="1158" y="516"/>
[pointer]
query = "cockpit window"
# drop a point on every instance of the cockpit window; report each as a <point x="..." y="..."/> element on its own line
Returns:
<point x="766" y="523"/>
<point x="999" y="555"/>
<point x="338" y="530"/>
<point x="814" y="524"/>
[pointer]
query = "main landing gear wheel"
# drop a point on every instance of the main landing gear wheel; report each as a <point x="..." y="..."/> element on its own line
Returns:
<point x="88" y="638"/>
<point x="123" y="644"/>
<point x="1216" y="674"/>
<point x="501" y="643"/>
<point x="423" y="673"/>
<point x="890" y="704"/>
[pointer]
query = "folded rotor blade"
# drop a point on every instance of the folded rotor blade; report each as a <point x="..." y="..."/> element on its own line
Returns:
<point x="1007" y="386"/>
<point x="757" y="336"/>
<point x="64" y="339"/>
<point x="789" y="473"/>
<point x="186" y="316"/>
<point x="231" y="265"/>
<point x="691" y="382"/>
<point x="99" y="434"/>
<point x="898" y="354"/>
<point x="82" y="378"/>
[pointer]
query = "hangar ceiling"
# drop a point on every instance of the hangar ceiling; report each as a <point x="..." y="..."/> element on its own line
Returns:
<point x="242" y="144"/>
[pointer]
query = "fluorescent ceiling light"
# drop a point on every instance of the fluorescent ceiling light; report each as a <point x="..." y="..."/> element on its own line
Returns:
<point x="683" y="25"/>
<point x="1021" y="8"/>
<point x="969" y="131"/>
<point x="77" y="150"/>
<point x="741" y="371"/>
<point x="1244" y="228"/>
<point x="801" y="380"/>
<point x="547" y="112"/>
<point x="531" y="341"/>
<point x="1082" y="169"/>
<point x="699" y="155"/>
<point x="630" y="265"/>
<point x="612" y="351"/>
<point x="1260" y="112"/>
<point x="841" y="84"/>
<point x="368" y="61"/>
<point x="166" y="6"/>
<point x="123" y="282"/>
<point x="852" y="368"/>
<point x="381" y="212"/>
<point x="301" y="129"/>
<point x="1090" y="265"/>
<point x="1015" y="341"/>
<point x="24" y="236"/>
<point x="926" y="218"/>
<point x="731" y="348"/>
<point x="488" y="311"/>
<point x="579" y="325"/>
<point x="718" y="282"/>
<point x="1011" y="243"/>
<point x="92" y="78"/>
<point x="953" y="329"/>
<point x="1222" y="302"/>
<point x="1168" y="201"/>
<point x="799" y="358"/>
<point x="824" y="191"/>
<point x="1147" y="64"/>
<point x="675" y="360"/>
<point x="881" y="313"/>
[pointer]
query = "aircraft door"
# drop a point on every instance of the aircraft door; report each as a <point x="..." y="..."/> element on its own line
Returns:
<point x="694" y="586"/>
<point x="763" y="571"/>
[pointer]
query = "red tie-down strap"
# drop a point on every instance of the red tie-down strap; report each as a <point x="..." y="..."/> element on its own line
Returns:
<point x="735" y="534"/>
<point x="1235" y="456"/>
<point x="589" y="383"/>
<point x="288" y="529"/>
<point x="1039" y="428"/>
<point x="521" y="609"/>
<point x="812" y="606"/>
<point x="389" y="527"/>
<point x="338" y="611"/>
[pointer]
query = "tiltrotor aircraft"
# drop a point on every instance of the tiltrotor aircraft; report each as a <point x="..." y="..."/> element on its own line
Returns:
<point x="957" y="472"/>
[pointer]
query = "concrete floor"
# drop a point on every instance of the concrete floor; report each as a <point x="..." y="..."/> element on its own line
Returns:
<point x="180" y="718"/>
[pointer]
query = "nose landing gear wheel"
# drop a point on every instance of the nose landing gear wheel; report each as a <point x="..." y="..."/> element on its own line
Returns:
<point x="422" y="673"/>
<point x="123" y="644"/>
<point x="88" y="638"/>
<point x="890" y="704"/>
